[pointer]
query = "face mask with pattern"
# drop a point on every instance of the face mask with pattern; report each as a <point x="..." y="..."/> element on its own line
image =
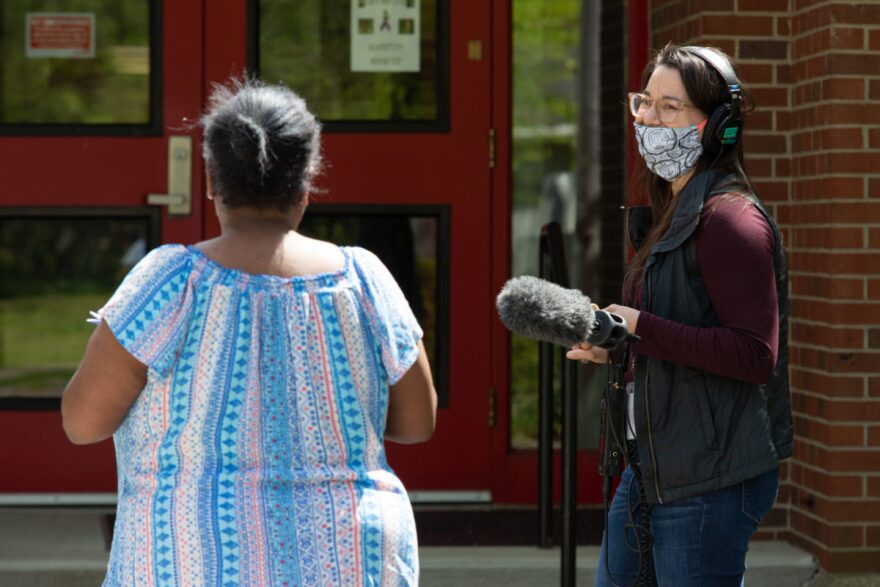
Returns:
<point x="669" y="152"/>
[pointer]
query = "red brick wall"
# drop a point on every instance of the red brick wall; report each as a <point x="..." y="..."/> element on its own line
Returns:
<point x="813" y="149"/>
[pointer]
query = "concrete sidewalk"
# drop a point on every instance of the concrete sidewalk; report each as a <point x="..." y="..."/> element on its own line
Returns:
<point x="770" y="564"/>
<point x="66" y="547"/>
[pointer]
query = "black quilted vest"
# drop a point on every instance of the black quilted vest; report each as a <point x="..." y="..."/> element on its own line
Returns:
<point x="698" y="432"/>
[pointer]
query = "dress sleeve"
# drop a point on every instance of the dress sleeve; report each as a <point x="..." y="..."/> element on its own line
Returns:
<point x="391" y="320"/>
<point x="148" y="312"/>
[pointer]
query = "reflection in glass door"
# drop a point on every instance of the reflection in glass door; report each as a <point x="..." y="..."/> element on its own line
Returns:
<point x="368" y="65"/>
<point x="64" y="65"/>
<point x="546" y="69"/>
<point x="55" y="268"/>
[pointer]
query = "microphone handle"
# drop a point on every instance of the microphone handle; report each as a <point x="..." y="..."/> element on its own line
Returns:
<point x="609" y="331"/>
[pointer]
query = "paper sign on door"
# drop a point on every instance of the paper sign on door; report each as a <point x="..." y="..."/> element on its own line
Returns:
<point x="69" y="35"/>
<point x="385" y="35"/>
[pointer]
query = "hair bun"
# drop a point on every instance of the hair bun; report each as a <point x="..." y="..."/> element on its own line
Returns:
<point x="251" y="140"/>
<point x="261" y="145"/>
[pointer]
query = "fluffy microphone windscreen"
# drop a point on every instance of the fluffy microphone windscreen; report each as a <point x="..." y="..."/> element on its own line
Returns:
<point x="538" y="309"/>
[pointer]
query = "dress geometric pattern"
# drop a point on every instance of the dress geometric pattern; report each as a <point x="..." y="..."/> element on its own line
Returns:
<point x="254" y="455"/>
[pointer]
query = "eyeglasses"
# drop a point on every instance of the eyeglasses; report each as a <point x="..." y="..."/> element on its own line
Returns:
<point x="667" y="109"/>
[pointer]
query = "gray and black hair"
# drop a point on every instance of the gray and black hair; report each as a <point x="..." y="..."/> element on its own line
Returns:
<point x="261" y="145"/>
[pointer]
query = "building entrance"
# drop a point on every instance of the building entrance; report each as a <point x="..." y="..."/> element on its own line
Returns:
<point x="101" y="161"/>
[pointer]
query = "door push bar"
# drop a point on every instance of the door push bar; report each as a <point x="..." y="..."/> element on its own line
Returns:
<point x="179" y="196"/>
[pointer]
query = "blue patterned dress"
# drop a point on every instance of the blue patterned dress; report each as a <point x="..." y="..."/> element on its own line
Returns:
<point x="254" y="454"/>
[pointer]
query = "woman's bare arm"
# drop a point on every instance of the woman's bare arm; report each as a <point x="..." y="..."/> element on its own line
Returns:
<point x="102" y="390"/>
<point x="412" y="405"/>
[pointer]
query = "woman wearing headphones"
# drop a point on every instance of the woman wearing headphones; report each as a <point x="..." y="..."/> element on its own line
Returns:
<point x="709" y="414"/>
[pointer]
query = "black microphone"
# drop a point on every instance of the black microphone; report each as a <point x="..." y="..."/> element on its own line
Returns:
<point x="538" y="309"/>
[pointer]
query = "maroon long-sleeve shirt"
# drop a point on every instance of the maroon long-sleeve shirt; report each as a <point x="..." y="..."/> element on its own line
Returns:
<point x="734" y="247"/>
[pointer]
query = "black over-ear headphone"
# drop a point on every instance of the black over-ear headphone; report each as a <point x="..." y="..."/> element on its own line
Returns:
<point x="725" y="124"/>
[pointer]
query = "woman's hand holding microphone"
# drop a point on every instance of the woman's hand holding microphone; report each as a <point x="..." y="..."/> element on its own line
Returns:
<point x="587" y="353"/>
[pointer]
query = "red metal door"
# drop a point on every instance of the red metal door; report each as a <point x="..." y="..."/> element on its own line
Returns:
<point x="89" y="169"/>
<point x="447" y="168"/>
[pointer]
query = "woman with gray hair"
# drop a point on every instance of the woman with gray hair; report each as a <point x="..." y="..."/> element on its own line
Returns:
<point x="249" y="382"/>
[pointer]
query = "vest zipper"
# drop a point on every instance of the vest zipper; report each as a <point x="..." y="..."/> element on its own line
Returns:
<point x="648" y="411"/>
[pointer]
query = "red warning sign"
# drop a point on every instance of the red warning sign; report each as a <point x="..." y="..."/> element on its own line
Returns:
<point x="60" y="34"/>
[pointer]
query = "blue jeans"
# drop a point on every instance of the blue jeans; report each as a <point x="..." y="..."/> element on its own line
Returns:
<point x="698" y="541"/>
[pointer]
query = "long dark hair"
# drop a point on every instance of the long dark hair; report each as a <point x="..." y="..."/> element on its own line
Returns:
<point x="707" y="90"/>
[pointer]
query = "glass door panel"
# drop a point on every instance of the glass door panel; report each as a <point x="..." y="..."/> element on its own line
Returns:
<point x="545" y="104"/>
<point x="55" y="269"/>
<point x="66" y="65"/>
<point x="358" y="60"/>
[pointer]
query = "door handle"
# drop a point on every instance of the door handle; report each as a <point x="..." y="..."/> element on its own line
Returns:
<point x="179" y="196"/>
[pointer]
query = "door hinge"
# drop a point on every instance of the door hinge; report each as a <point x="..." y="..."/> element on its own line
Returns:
<point x="491" y="148"/>
<point x="491" y="407"/>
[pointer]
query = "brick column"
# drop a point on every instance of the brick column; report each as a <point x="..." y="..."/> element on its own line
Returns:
<point x="814" y="151"/>
<point x="833" y="218"/>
